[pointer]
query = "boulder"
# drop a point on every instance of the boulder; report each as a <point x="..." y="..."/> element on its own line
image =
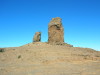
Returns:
<point x="55" y="31"/>
<point x="37" y="37"/>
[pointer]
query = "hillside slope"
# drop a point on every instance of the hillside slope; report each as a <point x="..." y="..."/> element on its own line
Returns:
<point x="44" y="59"/>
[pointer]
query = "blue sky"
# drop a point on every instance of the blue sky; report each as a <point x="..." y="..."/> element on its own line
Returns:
<point x="20" y="19"/>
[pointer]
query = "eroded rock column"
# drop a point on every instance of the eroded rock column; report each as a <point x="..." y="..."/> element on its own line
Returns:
<point x="55" y="31"/>
<point x="37" y="37"/>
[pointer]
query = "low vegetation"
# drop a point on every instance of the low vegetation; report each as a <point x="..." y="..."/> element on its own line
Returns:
<point x="1" y="49"/>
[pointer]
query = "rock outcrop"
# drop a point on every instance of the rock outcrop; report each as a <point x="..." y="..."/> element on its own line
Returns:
<point x="56" y="31"/>
<point x="37" y="37"/>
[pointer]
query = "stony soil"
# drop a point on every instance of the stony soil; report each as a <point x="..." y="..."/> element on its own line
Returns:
<point x="44" y="59"/>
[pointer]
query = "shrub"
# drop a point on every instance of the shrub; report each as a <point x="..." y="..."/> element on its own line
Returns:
<point x="1" y="49"/>
<point x="19" y="56"/>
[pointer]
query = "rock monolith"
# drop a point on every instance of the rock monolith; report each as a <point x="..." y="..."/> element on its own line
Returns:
<point x="55" y="31"/>
<point x="37" y="37"/>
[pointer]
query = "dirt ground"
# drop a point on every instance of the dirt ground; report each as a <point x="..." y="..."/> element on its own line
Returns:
<point x="44" y="59"/>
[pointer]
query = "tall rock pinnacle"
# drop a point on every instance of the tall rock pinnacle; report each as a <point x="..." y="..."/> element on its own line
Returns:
<point x="55" y="31"/>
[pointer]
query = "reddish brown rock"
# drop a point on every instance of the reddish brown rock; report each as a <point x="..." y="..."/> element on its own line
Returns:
<point x="56" y="31"/>
<point x="37" y="37"/>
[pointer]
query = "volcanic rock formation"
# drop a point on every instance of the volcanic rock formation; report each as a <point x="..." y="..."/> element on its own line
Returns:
<point x="56" y="31"/>
<point x="37" y="37"/>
